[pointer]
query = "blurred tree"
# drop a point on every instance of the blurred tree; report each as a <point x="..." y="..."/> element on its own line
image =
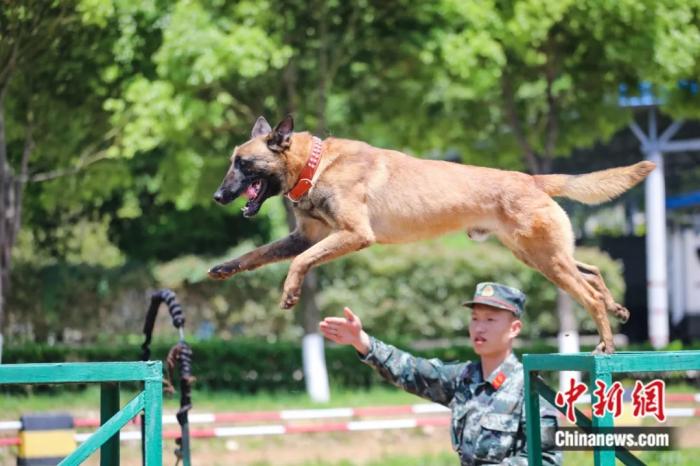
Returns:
<point x="541" y="77"/>
<point x="221" y="64"/>
<point x="51" y="124"/>
<point x="159" y="92"/>
<point x="147" y="227"/>
<point x="81" y="58"/>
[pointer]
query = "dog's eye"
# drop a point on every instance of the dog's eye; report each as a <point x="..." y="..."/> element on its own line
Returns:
<point x="241" y="163"/>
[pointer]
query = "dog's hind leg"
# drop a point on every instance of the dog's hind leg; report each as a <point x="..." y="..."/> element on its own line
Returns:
<point x="592" y="275"/>
<point x="546" y="248"/>
<point x="543" y="239"/>
<point x="562" y="271"/>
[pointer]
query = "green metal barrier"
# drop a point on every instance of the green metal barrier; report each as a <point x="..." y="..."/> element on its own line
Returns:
<point x="109" y="375"/>
<point x="599" y="367"/>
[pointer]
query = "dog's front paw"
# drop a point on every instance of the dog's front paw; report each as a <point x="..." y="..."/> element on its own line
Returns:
<point x="224" y="271"/>
<point x="290" y="298"/>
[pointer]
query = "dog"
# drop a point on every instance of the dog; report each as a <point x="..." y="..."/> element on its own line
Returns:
<point x="348" y="195"/>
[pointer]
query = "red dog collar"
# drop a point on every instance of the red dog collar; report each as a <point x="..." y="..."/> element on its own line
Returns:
<point x="304" y="183"/>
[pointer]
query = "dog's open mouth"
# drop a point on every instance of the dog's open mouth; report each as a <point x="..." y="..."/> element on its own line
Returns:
<point x="255" y="192"/>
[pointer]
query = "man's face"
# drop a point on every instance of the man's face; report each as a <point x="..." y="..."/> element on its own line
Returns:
<point x="492" y="330"/>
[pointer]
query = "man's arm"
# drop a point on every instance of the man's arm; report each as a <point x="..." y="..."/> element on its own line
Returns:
<point x="427" y="378"/>
<point x="431" y="379"/>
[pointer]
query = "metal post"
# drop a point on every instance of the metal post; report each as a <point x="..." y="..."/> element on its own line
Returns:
<point x="532" y="416"/>
<point x="185" y="445"/>
<point x="677" y="275"/>
<point x="568" y="337"/>
<point x="657" y="285"/>
<point x="143" y="439"/>
<point x="601" y="456"/>
<point x="315" y="368"/>
<point x="109" y="406"/>
<point x="153" y="412"/>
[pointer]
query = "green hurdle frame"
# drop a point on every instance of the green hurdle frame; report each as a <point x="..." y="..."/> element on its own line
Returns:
<point x="599" y="367"/>
<point x="112" y="419"/>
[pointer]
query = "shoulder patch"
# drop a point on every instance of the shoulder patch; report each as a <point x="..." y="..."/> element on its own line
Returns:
<point x="498" y="380"/>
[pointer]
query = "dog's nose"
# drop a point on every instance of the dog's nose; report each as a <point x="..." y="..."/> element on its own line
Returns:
<point x="218" y="196"/>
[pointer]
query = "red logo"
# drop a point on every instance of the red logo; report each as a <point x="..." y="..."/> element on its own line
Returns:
<point x="608" y="400"/>
<point x="569" y="397"/>
<point x="649" y="399"/>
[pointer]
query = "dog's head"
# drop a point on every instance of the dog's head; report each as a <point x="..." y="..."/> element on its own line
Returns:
<point x="258" y="168"/>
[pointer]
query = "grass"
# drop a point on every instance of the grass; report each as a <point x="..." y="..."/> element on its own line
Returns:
<point x="675" y="458"/>
<point x="442" y="459"/>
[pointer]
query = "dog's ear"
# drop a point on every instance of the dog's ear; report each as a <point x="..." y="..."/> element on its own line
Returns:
<point x="261" y="128"/>
<point x="281" y="137"/>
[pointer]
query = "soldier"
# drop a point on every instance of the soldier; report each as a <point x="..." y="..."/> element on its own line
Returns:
<point x="485" y="396"/>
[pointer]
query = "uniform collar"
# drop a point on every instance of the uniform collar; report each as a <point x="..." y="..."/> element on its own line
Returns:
<point x="498" y="377"/>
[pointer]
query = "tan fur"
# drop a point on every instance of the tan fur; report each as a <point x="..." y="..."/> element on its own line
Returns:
<point x="364" y="195"/>
<point x="596" y="187"/>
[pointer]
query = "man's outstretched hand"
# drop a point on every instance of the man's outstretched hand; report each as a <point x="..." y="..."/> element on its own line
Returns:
<point x="346" y="331"/>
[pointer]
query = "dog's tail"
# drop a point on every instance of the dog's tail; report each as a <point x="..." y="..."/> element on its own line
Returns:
<point x="595" y="187"/>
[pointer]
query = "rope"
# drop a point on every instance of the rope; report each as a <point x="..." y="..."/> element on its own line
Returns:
<point x="176" y="313"/>
<point x="179" y="355"/>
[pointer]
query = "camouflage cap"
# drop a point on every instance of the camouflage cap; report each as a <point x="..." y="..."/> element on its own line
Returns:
<point x="499" y="296"/>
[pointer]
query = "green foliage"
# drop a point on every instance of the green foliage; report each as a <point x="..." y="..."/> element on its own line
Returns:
<point x="53" y="64"/>
<point x="418" y="289"/>
<point x="193" y="108"/>
<point x="552" y="68"/>
<point x="250" y="366"/>
<point x="411" y="291"/>
<point x="239" y="365"/>
<point x="181" y="82"/>
<point x="135" y="107"/>
<point x="72" y="301"/>
<point x="163" y="232"/>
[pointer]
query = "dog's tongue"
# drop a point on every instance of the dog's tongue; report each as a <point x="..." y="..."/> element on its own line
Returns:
<point x="251" y="191"/>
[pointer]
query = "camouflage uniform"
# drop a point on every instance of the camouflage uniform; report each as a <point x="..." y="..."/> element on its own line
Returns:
<point x="488" y="416"/>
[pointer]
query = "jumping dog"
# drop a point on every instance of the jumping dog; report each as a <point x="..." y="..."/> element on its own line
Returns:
<point x="348" y="195"/>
